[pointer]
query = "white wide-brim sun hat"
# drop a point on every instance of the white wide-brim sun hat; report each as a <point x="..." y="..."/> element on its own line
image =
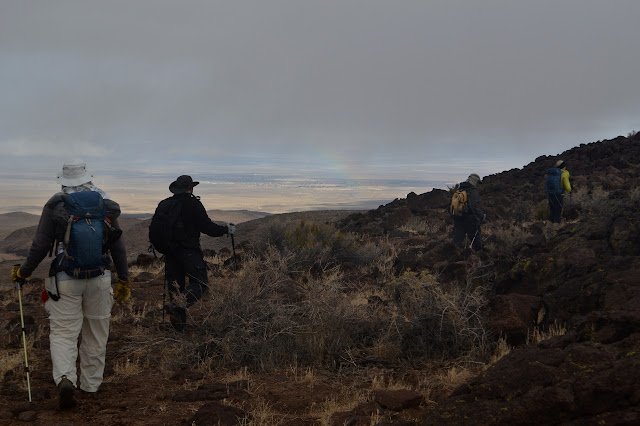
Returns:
<point x="74" y="173"/>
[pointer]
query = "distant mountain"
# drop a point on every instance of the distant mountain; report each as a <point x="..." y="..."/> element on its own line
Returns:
<point x="235" y="216"/>
<point x="10" y="222"/>
<point x="17" y="229"/>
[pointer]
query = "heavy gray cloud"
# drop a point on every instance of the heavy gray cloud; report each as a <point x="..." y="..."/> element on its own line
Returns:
<point x="365" y="83"/>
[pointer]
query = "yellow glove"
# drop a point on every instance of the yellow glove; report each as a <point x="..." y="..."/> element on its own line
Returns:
<point x="122" y="293"/>
<point x="15" y="275"/>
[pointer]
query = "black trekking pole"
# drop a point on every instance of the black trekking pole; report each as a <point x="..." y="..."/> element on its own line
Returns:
<point x="233" y="247"/>
<point x="164" y="290"/>
<point x="24" y="336"/>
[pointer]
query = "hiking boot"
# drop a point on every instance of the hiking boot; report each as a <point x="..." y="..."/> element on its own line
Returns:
<point x="177" y="316"/>
<point x="88" y="395"/>
<point x="67" y="389"/>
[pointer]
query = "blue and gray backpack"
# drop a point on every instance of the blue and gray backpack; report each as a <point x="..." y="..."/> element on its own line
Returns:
<point x="553" y="183"/>
<point x="84" y="254"/>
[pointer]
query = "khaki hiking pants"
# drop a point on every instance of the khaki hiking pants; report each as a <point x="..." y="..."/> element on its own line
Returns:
<point x="84" y="308"/>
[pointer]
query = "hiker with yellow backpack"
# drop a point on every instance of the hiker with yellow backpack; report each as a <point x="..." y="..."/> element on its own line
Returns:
<point x="467" y="216"/>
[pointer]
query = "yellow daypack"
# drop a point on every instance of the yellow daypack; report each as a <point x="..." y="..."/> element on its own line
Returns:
<point x="459" y="205"/>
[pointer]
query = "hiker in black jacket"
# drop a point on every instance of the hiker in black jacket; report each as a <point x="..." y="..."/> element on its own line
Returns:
<point x="185" y="258"/>
<point x="469" y="223"/>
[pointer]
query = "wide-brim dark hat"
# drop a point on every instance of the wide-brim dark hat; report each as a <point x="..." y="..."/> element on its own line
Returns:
<point x="182" y="184"/>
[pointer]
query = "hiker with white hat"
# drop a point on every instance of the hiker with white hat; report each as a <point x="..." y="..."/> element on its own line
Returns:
<point x="555" y="186"/>
<point x="78" y="224"/>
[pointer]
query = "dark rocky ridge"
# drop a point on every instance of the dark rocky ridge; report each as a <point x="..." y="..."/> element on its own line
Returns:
<point x="584" y="275"/>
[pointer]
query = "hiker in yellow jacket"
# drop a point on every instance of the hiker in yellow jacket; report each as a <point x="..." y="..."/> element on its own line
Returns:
<point x="556" y="184"/>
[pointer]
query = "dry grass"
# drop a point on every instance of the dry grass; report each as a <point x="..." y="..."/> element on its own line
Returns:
<point x="14" y="359"/>
<point x="11" y="360"/>
<point x="126" y="367"/>
<point x="456" y="376"/>
<point x="421" y="226"/>
<point x="537" y="335"/>
<point x="156" y="268"/>
<point x="541" y="210"/>
<point x="262" y="413"/>
<point x="347" y="400"/>
<point x="502" y="349"/>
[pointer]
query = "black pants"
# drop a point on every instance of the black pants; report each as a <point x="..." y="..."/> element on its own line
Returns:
<point x="469" y="226"/>
<point x="188" y="263"/>
<point x="555" y="207"/>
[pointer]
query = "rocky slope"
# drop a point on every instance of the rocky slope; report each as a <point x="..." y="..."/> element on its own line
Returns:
<point x="583" y="275"/>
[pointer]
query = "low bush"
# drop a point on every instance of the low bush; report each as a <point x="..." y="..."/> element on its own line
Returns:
<point x="421" y="226"/>
<point x="317" y="247"/>
<point x="541" y="210"/>
<point x="595" y="201"/>
<point x="260" y="318"/>
<point x="439" y="322"/>
<point x="506" y="237"/>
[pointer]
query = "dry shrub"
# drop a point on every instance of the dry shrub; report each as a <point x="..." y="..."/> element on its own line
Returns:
<point x="314" y="247"/>
<point x="421" y="226"/>
<point x="596" y="201"/>
<point x="292" y="306"/>
<point x="11" y="361"/>
<point x="262" y="319"/>
<point x="438" y="321"/>
<point x="271" y="236"/>
<point x="507" y="237"/>
<point x="320" y="246"/>
<point x="523" y="211"/>
<point x="541" y="210"/>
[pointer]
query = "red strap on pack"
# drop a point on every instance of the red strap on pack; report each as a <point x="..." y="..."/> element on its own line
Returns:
<point x="44" y="296"/>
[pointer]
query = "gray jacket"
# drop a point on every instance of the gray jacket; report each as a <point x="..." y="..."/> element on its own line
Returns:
<point x="51" y="230"/>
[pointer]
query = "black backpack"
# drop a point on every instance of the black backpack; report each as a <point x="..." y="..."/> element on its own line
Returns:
<point x="165" y="224"/>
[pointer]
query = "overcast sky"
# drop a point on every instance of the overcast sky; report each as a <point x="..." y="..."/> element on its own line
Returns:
<point x="367" y="86"/>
